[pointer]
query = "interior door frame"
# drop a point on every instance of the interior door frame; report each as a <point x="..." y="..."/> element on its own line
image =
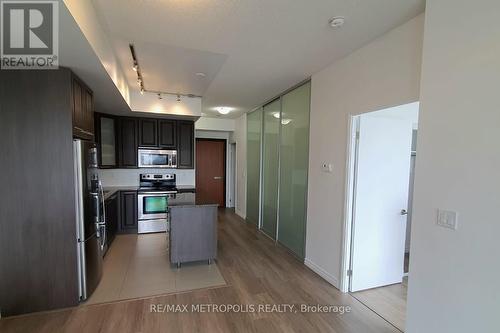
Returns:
<point x="349" y="202"/>
<point x="225" y="163"/>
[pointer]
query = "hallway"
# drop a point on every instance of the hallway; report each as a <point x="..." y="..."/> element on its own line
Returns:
<point x="256" y="271"/>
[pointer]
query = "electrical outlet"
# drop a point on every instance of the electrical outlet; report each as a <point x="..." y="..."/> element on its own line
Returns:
<point x="447" y="219"/>
<point x="327" y="167"/>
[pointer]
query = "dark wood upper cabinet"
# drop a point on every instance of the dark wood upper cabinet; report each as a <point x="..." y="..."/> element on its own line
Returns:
<point x="128" y="212"/>
<point x="148" y="133"/>
<point x="185" y="144"/>
<point x="167" y="137"/>
<point x="83" y="110"/>
<point x="124" y="135"/>
<point x="127" y="143"/>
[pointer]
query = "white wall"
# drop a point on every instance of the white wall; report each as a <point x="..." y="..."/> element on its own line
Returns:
<point x="454" y="275"/>
<point x="149" y="102"/>
<point x="240" y="138"/>
<point x="215" y="124"/>
<point x="382" y="74"/>
<point x="86" y="17"/>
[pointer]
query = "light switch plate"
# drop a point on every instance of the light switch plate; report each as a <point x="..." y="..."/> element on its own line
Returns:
<point x="447" y="219"/>
<point x="327" y="167"/>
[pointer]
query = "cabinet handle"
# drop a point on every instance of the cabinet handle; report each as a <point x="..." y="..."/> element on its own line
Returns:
<point x="217" y="178"/>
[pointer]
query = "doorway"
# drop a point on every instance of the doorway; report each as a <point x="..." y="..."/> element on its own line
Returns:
<point x="232" y="176"/>
<point x="211" y="171"/>
<point x="377" y="237"/>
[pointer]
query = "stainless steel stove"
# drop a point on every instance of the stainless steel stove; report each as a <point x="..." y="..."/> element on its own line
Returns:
<point x="152" y="202"/>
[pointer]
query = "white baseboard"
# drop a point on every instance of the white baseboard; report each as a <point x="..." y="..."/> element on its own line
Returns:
<point x="240" y="213"/>
<point x="321" y="272"/>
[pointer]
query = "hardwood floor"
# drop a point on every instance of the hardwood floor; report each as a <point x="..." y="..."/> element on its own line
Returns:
<point x="389" y="302"/>
<point x="257" y="272"/>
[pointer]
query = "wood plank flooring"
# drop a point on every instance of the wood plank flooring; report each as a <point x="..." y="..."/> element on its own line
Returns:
<point x="389" y="302"/>
<point x="257" y="272"/>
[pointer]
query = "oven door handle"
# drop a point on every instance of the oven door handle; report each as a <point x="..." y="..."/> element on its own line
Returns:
<point x="157" y="193"/>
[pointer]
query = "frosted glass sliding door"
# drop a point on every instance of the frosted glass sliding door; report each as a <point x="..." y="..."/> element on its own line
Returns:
<point x="294" y="161"/>
<point x="254" y="132"/>
<point x="270" y="167"/>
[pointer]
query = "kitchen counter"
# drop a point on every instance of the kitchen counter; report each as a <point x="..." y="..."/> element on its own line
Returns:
<point x="185" y="193"/>
<point x="109" y="191"/>
<point x="186" y="189"/>
<point x="182" y="199"/>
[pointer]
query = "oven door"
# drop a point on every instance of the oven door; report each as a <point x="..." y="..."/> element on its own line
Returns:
<point x="151" y="206"/>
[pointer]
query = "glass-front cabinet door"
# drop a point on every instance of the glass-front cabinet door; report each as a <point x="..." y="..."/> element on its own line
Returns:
<point x="107" y="141"/>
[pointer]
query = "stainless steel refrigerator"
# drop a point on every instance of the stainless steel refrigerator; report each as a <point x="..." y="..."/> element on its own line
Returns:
<point x="90" y="217"/>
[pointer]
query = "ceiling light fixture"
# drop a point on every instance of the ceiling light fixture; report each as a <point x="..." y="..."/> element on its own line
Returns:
<point x="201" y="74"/>
<point x="223" y="109"/>
<point x="276" y="115"/>
<point x="336" y="22"/>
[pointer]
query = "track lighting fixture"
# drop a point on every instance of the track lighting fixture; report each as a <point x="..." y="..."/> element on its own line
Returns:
<point x="140" y="80"/>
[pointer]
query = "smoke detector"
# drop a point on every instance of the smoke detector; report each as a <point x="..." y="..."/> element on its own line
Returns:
<point x="336" y="22"/>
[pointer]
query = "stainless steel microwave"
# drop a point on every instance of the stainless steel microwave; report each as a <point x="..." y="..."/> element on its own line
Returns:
<point x="157" y="158"/>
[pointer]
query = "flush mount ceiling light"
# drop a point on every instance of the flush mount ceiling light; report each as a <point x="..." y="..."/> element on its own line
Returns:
<point x="223" y="109"/>
<point x="276" y="115"/>
<point x="336" y="22"/>
<point x="201" y="74"/>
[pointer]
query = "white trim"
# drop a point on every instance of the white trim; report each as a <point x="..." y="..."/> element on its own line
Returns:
<point x="240" y="213"/>
<point x="321" y="272"/>
<point x="348" y="205"/>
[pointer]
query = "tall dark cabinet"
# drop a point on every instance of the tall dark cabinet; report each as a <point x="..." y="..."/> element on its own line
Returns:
<point x="127" y="146"/>
<point x="38" y="258"/>
<point x="185" y="144"/>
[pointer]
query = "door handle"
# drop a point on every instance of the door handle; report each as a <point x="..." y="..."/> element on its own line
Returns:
<point x="404" y="212"/>
<point x="218" y="177"/>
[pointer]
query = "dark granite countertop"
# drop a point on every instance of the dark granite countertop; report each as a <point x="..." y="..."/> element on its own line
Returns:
<point x="183" y="189"/>
<point x="110" y="190"/>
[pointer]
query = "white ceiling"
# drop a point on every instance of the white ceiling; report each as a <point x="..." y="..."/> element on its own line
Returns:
<point x="250" y="50"/>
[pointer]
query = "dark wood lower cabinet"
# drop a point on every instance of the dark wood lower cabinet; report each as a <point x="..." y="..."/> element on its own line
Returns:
<point x="112" y="207"/>
<point x="128" y="212"/>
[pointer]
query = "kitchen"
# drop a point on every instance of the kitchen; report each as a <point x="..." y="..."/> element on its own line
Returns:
<point x="100" y="190"/>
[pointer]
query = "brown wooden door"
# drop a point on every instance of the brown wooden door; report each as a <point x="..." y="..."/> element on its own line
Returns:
<point x="210" y="171"/>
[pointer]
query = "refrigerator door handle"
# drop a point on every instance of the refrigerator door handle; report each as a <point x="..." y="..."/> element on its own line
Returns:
<point x="102" y="224"/>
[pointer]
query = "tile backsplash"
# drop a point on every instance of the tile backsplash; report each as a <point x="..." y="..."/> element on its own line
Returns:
<point x="130" y="177"/>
